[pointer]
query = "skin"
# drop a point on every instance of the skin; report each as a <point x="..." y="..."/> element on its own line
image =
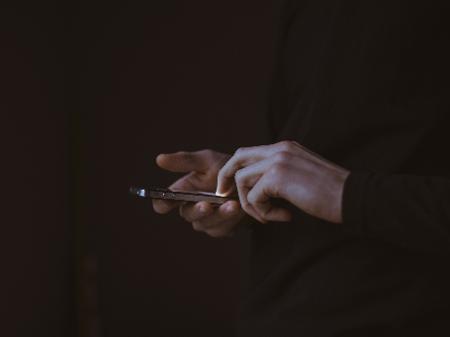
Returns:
<point x="201" y="169"/>
<point x="285" y="170"/>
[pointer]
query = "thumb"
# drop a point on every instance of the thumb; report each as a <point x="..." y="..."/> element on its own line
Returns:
<point x="183" y="162"/>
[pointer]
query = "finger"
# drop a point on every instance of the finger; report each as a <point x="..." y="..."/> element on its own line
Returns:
<point x="242" y="157"/>
<point x="164" y="206"/>
<point x="227" y="218"/>
<point x="247" y="177"/>
<point x="247" y="207"/>
<point x="227" y="215"/>
<point x="182" y="162"/>
<point x="195" y="212"/>
<point x="259" y="197"/>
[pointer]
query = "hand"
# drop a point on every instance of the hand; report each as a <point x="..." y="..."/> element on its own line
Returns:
<point x="288" y="171"/>
<point x="202" y="168"/>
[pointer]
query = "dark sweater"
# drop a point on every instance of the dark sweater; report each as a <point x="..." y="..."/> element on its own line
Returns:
<point x="366" y="85"/>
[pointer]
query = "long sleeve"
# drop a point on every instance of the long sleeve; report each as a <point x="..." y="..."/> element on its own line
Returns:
<point x="409" y="211"/>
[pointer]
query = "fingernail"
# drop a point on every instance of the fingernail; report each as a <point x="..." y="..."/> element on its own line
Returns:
<point x="222" y="193"/>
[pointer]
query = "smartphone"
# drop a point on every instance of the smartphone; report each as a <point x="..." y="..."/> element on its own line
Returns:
<point x="177" y="195"/>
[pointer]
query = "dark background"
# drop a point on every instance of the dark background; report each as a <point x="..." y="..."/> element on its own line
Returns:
<point x="91" y="93"/>
<point x="36" y="260"/>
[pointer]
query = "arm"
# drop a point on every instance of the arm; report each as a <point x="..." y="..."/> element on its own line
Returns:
<point x="410" y="211"/>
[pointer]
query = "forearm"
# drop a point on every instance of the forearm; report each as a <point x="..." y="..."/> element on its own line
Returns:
<point x="410" y="211"/>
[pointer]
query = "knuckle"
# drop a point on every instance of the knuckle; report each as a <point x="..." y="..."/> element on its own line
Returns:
<point x="184" y="154"/>
<point x="240" y="151"/>
<point x="297" y="144"/>
<point x="239" y="177"/>
<point x="286" y="145"/>
<point x="207" y="152"/>
<point x="282" y="157"/>
<point x="277" y="169"/>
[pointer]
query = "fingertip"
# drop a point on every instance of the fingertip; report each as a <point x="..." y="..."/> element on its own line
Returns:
<point x="203" y="207"/>
<point x="158" y="209"/>
<point x="162" y="207"/>
<point x="230" y="207"/>
<point x="224" y="190"/>
<point x="219" y="190"/>
<point x="160" y="159"/>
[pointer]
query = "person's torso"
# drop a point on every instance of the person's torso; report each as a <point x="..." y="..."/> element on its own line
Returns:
<point x="364" y="84"/>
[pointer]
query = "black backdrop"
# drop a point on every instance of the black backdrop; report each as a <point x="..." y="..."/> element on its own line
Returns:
<point x="93" y="92"/>
<point x="36" y="259"/>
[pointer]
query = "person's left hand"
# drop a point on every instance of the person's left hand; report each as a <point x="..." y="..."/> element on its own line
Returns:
<point x="288" y="171"/>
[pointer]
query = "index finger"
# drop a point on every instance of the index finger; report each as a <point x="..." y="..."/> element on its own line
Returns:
<point x="241" y="158"/>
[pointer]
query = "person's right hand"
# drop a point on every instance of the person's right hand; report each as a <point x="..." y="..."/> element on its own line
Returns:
<point x="202" y="168"/>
